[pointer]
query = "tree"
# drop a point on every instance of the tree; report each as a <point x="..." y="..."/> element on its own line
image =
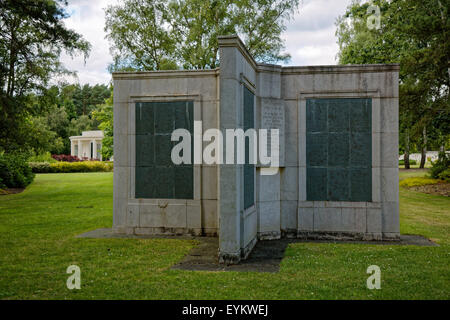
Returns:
<point x="157" y="35"/>
<point x="32" y="37"/>
<point x="64" y="111"/>
<point x="44" y="138"/>
<point x="414" y="33"/>
<point x="80" y="124"/>
<point x="86" y="97"/>
<point x="140" y="41"/>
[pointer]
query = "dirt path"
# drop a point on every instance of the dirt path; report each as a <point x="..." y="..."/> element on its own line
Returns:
<point x="441" y="189"/>
<point x="4" y="192"/>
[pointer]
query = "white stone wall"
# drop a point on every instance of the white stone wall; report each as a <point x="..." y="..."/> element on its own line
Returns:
<point x="269" y="186"/>
<point x="378" y="219"/>
<point x="163" y="216"/>
<point x="238" y="227"/>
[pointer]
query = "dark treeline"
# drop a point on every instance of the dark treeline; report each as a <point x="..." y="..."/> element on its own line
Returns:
<point x="67" y="111"/>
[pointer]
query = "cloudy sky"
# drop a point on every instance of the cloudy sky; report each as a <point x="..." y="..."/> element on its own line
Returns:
<point x="310" y="36"/>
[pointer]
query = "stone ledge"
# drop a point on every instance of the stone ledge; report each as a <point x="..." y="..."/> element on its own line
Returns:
<point x="338" y="204"/>
<point x="124" y="75"/>
<point x="364" y="68"/>
<point x="269" y="235"/>
<point x="289" y="233"/>
<point x="138" y="231"/>
<point x="229" y="258"/>
<point x="246" y="251"/>
<point x="347" y="236"/>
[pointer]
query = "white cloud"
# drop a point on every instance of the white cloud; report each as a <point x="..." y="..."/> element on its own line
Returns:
<point x="87" y="17"/>
<point x="310" y="36"/>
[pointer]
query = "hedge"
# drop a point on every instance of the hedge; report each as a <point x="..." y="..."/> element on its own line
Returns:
<point x="411" y="162"/>
<point x="14" y="171"/>
<point x="67" y="167"/>
<point x="418" y="181"/>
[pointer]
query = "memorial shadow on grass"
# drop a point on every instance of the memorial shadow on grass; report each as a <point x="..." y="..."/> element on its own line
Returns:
<point x="267" y="255"/>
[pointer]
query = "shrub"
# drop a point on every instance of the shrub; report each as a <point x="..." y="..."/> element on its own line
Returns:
<point x="440" y="165"/>
<point x="15" y="171"/>
<point x="67" y="167"/>
<point x="416" y="182"/>
<point x="43" y="157"/>
<point x="411" y="162"/>
<point x="40" y="167"/>
<point x="445" y="175"/>
<point x="65" y="158"/>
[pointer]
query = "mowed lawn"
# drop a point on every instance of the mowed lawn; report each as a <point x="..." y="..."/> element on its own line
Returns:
<point x="37" y="244"/>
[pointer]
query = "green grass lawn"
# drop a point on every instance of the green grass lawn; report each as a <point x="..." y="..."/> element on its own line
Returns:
<point x="37" y="244"/>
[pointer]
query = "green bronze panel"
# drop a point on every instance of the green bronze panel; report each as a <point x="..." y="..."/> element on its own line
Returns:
<point x="361" y="149"/>
<point x="316" y="149"/>
<point x="316" y="183"/>
<point x="156" y="176"/>
<point x="338" y="184"/>
<point x="338" y="116"/>
<point x="145" y="145"/>
<point x="164" y="117"/>
<point x="316" y="117"/>
<point x="145" y="183"/>
<point x="339" y="149"/>
<point x="360" y="178"/>
<point x="144" y="119"/>
<point x="249" y="169"/>
<point x="164" y="182"/>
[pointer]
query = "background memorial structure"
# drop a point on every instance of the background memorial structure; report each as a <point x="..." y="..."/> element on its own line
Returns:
<point x="338" y="174"/>
<point x="88" y="145"/>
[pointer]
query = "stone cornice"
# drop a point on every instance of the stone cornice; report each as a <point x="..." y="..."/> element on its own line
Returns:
<point x="357" y="68"/>
<point x="164" y="74"/>
<point x="235" y="41"/>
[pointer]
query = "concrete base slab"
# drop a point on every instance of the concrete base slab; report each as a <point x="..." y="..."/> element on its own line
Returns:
<point x="265" y="257"/>
<point x="108" y="233"/>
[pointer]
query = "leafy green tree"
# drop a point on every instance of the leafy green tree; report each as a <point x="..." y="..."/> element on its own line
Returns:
<point x="158" y="35"/>
<point x="44" y="138"/>
<point x="32" y="37"/>
<point x="414" y="33"/>
<point x="139" y="39"/>
<point x="104" y="115"/>
<point x="65" y="110"/>
<point x="80" y="124"/>
<point x="86" y="97"/>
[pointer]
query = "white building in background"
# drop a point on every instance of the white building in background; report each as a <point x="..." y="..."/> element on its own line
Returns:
<point x="88" y="145"/>
<point x="431" y="155"/>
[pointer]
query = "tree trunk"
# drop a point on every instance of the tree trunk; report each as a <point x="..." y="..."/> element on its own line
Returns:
<point x="423" y="158"/>
<point x="406" y="157"/>
<point x="12" y="63"/>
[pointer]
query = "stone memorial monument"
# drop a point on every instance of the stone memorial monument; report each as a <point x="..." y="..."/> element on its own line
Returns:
<point x="337" y="176"/>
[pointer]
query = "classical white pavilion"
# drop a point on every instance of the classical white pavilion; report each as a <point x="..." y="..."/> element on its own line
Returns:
<point x="88" y="145"/>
